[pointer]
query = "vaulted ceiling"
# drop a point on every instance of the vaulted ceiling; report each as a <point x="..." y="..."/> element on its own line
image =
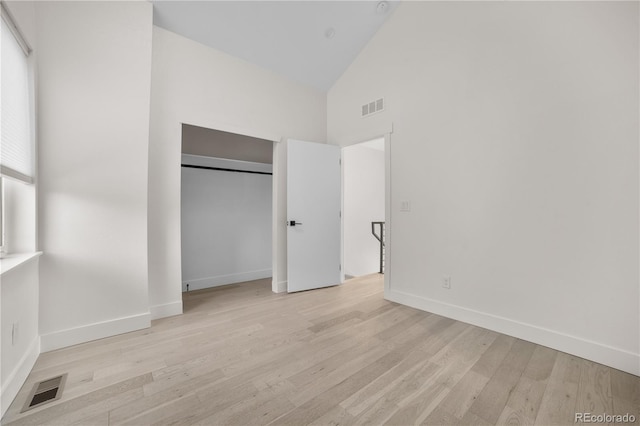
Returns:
<point x="312" y="42"/>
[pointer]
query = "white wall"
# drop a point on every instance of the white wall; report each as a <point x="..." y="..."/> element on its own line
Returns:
<point x="197" y="85"/>
<point x="94" y="88"/>
<point x="226" y="224"/>
<point x="19" y="290"/>
<point x="516" y="141"/>
<point x="20" y="347"/>
<point x="363" y="194"/>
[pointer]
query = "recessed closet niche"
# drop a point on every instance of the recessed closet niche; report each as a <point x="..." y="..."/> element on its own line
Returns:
<point x="226" y="208"/>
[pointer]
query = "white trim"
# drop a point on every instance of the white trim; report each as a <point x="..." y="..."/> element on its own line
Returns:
<point x="280" y="287"/>
<point x="342" y="254"/>
<point x="8" y="172"/>
<point x="166" y="310"/>
<point x="373" y="131"/>
<point x="220" y="280"/>
<point x="226" y="163"/>
<point x="18" y="376"/>
<point x="594" y="351"/>
<point x="14" y="260"/>
<point x="387" y="212"/>
<point x="277" y="238"/>
<point x="95" y="331"/>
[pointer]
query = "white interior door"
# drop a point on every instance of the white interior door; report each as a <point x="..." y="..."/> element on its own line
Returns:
<point x="313" y="215"/>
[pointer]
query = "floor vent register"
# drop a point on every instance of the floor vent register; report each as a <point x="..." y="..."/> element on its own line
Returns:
<point x="45" y="392"/>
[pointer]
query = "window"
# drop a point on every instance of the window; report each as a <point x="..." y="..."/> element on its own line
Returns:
<point x="17" y="165"/>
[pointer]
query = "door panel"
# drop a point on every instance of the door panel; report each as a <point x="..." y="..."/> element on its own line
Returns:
<point x="313" y="214"/>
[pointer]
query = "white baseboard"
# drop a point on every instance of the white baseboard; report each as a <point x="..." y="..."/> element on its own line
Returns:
<point x="200" y="283"/>
<point x="98" y="330"/>
<point x="594" y="351"/>
<point x="18" y="376"/>
<point x="280" y="287"/>
<point x="166" y="310"/>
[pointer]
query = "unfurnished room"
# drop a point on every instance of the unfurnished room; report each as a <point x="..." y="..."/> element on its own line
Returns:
<point x="382" y="212"/>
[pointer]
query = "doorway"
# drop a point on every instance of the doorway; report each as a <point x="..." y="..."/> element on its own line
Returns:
<point x="364" y="208"/>
<point x="226" y="208"/>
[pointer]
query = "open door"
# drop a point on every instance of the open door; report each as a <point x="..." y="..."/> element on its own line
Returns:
<point x="313" y="215"/>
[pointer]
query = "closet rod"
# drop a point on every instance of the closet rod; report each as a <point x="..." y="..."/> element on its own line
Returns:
<point x="191" y="166"/>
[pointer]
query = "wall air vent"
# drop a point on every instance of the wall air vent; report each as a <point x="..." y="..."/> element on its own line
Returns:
<point x="45" y="392"/>
<point x="372" y="107"/>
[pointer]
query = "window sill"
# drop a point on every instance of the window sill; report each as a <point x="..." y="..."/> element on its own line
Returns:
<point x="12" y="261"/>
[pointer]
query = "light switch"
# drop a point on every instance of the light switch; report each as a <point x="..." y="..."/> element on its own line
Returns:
<point x="405" y="206"/>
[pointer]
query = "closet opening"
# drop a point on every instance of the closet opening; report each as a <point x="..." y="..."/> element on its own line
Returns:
<point x="226" y="211"/>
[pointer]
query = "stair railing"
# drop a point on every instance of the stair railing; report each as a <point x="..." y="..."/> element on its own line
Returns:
<point x="380" y="237"/>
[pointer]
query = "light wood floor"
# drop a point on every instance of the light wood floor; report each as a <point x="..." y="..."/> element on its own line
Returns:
<point x="241" y="355"/>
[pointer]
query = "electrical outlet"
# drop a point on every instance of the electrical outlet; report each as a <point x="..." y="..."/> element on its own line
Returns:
<point x="14" y="333"/>
<point x="405" y="206"/>
<point x="446" y="282"/>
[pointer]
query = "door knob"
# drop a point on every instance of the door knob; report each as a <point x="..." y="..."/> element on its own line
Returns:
<point x="294" y="223"/>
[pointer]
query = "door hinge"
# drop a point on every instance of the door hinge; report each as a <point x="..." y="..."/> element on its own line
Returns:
<point x="340" y="267"/>
<point x="340" y="161"/>
<point x="340" y="213"/>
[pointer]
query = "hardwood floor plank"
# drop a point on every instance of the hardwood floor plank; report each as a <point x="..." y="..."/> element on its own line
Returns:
<point x="82" y="415"/>
<point x="457" y="402"/>
<point x="472" y="419"/>
<point x="415" y="410"/>
<point x="332" y="375"/>
<point x="594" y="389"/>
<point x="451" y="363"/>
<point x="625" y="408"/>
<point x="170" y="391"/>
<point x="175" y="411"/>
<point x="493" y="398"/>
<point x="459" y="356"/>
<point x="524" y="402"/>
<point x="441" y="417"/>
<point x="101" y="419"/>
<point x="625" y="390"/>
<point x="336" y="321"/>
<point x="214" y="401"/>
<point x="625" y="386"/>
<point x="133" y="370"/>
<point x="170" y="376"/>
<point x="494" y="356"/>
<point x="335" y="417"/>
<point x="383" y="385"/>
<point x="316" y="407"/>
<point x="377" y="413"/>
<point x="260" y="408"/>
<point x="400" y="327"/>
<point x="454" y="407"/>
<point x="558" y="405"/>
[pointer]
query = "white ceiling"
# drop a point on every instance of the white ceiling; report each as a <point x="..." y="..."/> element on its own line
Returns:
<point x="287" y="37"/>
